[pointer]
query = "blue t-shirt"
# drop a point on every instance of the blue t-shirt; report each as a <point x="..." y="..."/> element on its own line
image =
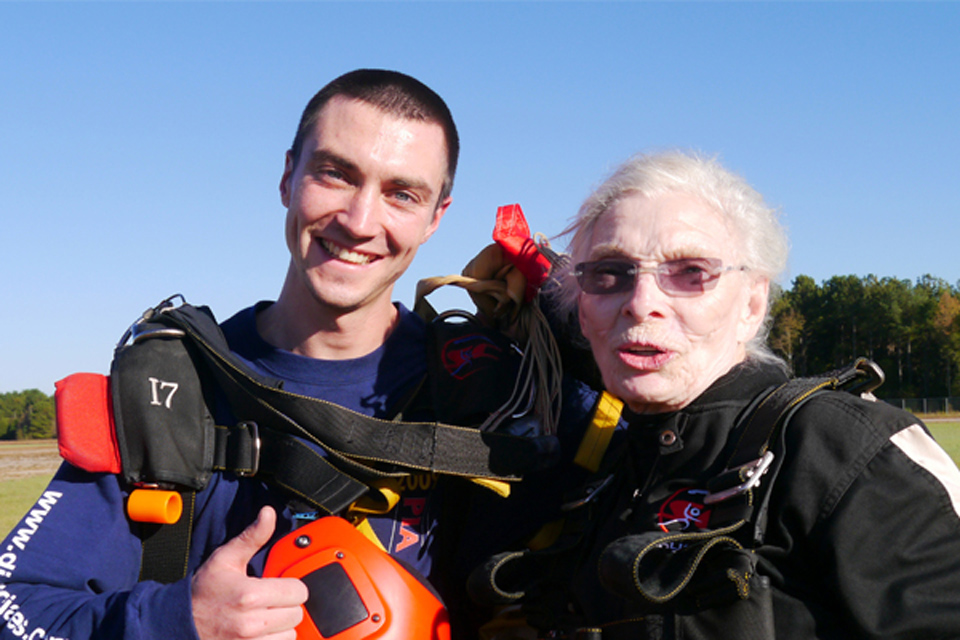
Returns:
<point x="373" y="384"/>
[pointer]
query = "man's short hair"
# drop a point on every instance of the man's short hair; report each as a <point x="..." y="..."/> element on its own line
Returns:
<point x="394" y="93"/>
<point x="763" y="241"/>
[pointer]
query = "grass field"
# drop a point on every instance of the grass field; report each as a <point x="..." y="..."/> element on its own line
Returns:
<point x="18" y="494"/>
<point x="947" y="434"/>
<point x="16" y="497"/>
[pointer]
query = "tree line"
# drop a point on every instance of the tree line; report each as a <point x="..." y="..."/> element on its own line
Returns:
<point x="912" y="330"/>
<point x="25" y="415"/>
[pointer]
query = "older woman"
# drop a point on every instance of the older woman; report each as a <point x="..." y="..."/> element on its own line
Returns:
<point x="672" y="261"/>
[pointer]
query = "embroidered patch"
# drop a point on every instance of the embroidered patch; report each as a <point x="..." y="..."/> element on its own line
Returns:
<point x="684" y="510"/>
<point x="464" y="356"/>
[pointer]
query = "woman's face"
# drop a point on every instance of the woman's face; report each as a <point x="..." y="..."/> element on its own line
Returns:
<point x="660" y="349"/>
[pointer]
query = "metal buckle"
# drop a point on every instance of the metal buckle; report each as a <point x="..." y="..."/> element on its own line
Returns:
<point x="591" y="493"/>
<point x="255" y="434"/>
<point x="139" y="334"/>
<point x="874" y="377"/>
<point x="753" y="471"/>
<point x="136" y="332"/>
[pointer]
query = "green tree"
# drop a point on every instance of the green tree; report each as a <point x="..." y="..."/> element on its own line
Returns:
<point x="912" y="330"/>
<point x="786" y="332"/>
<point x="885" y="304"/>
<point x="26" y="415"/>
<point x="946" y="322"/>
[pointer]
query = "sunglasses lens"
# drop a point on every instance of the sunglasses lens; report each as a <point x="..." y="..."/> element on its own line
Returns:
<point x="689" y="276"/>
<point x="605" y="276"/>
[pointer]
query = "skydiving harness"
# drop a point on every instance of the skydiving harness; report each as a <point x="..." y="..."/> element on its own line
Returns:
<point x="693" y="571"/>
<point x="151" y="421"/>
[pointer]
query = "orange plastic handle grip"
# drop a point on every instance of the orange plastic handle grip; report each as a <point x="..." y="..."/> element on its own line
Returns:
<point x="154" y="505"/>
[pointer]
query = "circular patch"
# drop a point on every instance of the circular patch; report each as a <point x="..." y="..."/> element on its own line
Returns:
<point x="684" y="510"/>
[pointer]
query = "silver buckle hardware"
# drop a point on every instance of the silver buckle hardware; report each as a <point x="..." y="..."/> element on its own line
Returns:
<point x="255" y="434"/>
<point x="590" y="494"/>
<point x="752" y="471"/>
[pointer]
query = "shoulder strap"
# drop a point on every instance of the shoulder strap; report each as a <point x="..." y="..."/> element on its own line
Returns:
<point x="737" y="493"/>
<point x="165" y="548"/>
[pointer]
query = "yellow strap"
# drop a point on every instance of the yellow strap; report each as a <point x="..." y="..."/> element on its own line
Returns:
<point x="499" y="487"/>
<point x="597" y="438"/>
<point x="382" y="497"/>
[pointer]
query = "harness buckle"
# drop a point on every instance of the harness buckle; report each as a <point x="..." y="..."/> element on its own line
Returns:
<point x="136" y="331"/>
<point x="872" y="372"/>
<point x="255" y="449"/>
<point x="752" y="471"/>
<point x="589" y="494"/>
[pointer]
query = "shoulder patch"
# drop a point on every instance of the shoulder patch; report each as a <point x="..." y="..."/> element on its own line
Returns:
<point x="465" y="355"/>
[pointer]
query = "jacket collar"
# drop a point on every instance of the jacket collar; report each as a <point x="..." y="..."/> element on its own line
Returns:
<point x="742" y="383"/>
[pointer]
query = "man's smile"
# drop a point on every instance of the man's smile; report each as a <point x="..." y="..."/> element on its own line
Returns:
<point x="347" y="255"/>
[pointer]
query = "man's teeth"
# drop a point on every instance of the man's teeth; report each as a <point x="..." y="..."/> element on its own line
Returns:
<point x="342" y="253"/>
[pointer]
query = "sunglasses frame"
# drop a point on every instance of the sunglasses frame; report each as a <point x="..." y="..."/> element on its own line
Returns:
<point x="713" y="268"/>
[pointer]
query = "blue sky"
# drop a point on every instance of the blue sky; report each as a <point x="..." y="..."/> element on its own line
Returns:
<point x="141" y="144"/>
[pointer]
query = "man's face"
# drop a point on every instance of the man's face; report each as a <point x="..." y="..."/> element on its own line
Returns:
<point x="657" y="351"/>
<point x="360" y="202"/>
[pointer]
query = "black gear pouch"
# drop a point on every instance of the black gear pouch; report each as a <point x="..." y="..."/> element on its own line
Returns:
<point x="165" y="431"/>
<point x="703" y="584"/>
<point x="476" y="370"/>
<point x="749" y="618"/>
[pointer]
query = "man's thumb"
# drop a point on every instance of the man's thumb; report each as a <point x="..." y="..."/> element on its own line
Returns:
<point x="240" y="550"/>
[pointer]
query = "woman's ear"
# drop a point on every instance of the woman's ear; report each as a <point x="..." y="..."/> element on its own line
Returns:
<point x="754" y="310"/>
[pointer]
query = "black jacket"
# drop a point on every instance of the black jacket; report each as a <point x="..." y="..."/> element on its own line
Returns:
<point x="863" y="535"/>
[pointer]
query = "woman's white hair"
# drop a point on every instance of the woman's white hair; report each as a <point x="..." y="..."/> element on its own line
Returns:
<point x="763" y="240"/>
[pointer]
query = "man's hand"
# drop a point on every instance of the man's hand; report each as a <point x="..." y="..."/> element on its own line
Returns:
<point x="229" y="604"/>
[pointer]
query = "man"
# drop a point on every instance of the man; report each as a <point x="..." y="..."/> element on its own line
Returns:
<point x="366" y="182"/>
<point x="672" y="260"/>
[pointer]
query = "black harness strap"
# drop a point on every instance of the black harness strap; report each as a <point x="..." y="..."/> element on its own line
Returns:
<point x="737" y="493"/>
<point x="293" y="465"/>
<point x="165" y="548"/>
<point x="428" y="446"/>
<point x="247" y="450"/>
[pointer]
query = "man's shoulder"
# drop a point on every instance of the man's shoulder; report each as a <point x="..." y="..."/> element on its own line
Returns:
<point x="240" y="329"/>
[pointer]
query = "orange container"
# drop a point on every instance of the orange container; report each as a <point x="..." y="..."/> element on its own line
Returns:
<point x="357" y="591"/>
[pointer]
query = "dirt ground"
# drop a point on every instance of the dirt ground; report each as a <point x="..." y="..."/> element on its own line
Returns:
<point x="25" y="459"/>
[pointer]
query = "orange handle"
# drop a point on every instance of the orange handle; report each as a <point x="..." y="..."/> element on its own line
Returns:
<point x="153" y="505"/>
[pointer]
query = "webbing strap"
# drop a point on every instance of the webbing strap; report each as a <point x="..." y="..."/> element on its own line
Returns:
<point x="246" y="449"/>
<point x="762" y="423"/>
<point x="293" y="465"/>
<point x="428" y="446"/>
<point x="165" y="549"/>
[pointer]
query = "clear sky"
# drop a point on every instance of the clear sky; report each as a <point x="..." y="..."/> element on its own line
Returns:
<point x="141" y="144"/>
